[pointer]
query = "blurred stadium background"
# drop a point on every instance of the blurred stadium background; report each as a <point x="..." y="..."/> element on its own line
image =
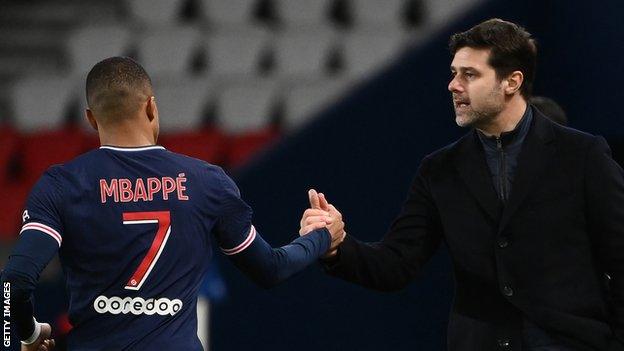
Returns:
<point x="343" y="95"/>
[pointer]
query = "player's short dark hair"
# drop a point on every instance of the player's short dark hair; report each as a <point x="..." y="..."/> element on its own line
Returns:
<point x="511" y="49"/>
<point x="550" y="108"/>
<point x="115" y="87"/>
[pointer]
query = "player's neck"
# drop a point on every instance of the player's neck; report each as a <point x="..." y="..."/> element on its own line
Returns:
<point x="126" y="137"/>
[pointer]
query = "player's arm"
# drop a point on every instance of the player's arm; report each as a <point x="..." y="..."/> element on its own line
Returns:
<point x="604" y="191"/>
<point x="38" y="242"/>
<point x="393" y="262"/>
<point x="31" y="254"/>
<point x="265" y="265"/>
<point x="268" y="266"/>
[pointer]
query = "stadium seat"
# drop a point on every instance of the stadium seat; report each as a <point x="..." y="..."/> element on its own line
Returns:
<point x="228" y="12"/>
<point x="168" y="50"/>
<point x="85" y="47"/>
<point x="378" y="12"/>
<point x="155" y="12"/>
<point x="39" y="150"/>
<point x="236" y="52"/>
<point x="13" y="197"/>
<point x="304" y="99"/>
<point x="367" y="50"/>
<point x="90" y="140"/>
<point x="246" y="106"/>
<point x="80" y="106"/>
<point x="41" y="103"/>
<point x="63" y="326"/>
<point x="439" y="11"/>
<point x="88" y="45"/>
<point x="206" y="144"/>
<point x="8" y="148"/>
<point x="303" y="53"/>
<point x="244" y="146"/>
<point x="181" y="102"/>
<point x="303" y="12"/>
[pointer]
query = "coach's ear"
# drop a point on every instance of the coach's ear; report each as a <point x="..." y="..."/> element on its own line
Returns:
<point x="513" y="83"/>
<point x="91" y="119"/>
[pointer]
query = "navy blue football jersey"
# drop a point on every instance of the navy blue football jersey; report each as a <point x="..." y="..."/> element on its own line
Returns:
<point x="136" y="228"/>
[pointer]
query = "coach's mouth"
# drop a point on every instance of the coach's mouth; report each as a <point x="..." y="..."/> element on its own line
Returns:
<point x="461" y="103"/>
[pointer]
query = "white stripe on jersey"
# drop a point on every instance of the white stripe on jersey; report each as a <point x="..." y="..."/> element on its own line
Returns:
<point x="143" y="221"/>
<point x="132" y="149"/>
<point x="43" y="229"/>
<point x="245" y="244"/>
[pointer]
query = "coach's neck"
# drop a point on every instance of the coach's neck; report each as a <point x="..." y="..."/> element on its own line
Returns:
<point x="507" y="119"/>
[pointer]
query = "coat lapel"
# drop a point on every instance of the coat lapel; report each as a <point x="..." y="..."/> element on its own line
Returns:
<point x="537" y="152"/>
<point x="473" y="169"/>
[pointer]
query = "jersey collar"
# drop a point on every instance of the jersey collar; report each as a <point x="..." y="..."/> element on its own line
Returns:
<point x="132" y="149"/>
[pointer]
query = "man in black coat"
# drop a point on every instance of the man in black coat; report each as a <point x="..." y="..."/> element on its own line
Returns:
<point x="532" y="213"/>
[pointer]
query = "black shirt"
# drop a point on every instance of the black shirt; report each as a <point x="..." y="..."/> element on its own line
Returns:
<point x="502" y="154"/>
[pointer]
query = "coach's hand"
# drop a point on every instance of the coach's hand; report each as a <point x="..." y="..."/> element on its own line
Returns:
<point x="43" y="342"/>
<point x="319" y="208"/>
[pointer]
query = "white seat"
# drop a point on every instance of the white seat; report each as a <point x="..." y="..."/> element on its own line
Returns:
<point x="228" y="12"/>
<point x="79" y="99"/>
<point x="378" y="12"/>
<point x="440" y="12"/>
<point x="236" y="52"/>
<point x="246" y="106"/>
<point x="168" y="50"/>
<point x="181" y="102"/>
<point x="303" y="100"/>
<point x="88" y="45"/>
<point x="40" y="102"/>
<point x="303" y="53"/>
<point x="155" y="12"/>
<point x="368" y="50"/>
<point x="303" y="12"/>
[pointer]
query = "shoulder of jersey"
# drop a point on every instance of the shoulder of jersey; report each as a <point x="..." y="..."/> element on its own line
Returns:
<point x="194" y="161"/>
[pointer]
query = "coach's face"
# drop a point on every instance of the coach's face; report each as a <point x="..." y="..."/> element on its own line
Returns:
<point x="478" y="95"/>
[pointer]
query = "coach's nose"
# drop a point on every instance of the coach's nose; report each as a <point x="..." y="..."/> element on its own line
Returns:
<point x="455" y="86"/>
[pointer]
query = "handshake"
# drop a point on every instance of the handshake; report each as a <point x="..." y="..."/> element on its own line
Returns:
<point x="322" y="214"/>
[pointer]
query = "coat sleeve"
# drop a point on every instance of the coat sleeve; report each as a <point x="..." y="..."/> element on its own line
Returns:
<point x="604" y="187"/>
<point x="392" y="263"/>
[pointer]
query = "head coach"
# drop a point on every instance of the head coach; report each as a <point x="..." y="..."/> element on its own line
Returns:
<point x="532" y="214"/>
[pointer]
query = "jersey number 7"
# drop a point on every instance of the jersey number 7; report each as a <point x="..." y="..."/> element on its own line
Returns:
<point x="163" y="219"/>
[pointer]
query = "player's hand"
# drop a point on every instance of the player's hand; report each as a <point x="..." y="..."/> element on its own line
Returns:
<point x="43" y="342"/>
<point x="320" y="206"/>
<point x="314" y="219"/>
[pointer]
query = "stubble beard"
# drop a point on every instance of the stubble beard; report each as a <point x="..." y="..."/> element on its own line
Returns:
<point x="484" y="115"/>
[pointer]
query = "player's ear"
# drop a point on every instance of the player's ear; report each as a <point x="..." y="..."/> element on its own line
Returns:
<point x="91" y="119"/>
<point x="151" y="109"/>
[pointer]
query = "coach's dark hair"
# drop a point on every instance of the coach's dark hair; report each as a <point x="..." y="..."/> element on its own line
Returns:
<point x="511" y="49"/>
<point x="116" y="87"/>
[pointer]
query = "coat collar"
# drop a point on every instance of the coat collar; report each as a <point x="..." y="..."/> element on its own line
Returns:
<point x="536" y="154"/>
<point x="537" y="150"/>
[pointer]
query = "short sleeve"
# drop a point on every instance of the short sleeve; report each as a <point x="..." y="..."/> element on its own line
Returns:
<point x="233" y="229"/>
<point x="43" y="208"/>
